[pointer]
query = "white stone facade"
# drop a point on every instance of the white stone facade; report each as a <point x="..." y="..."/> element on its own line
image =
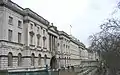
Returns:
<point x="24" y="32"/>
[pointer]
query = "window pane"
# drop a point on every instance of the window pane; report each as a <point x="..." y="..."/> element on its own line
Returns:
<point x="19" y="24"/>
<point x="10" y="59"/>
<point x="31" y="39"/>
<point x="10" y="21"/>
<point x="9" y="35"/>
<point x="43" y="31"/>
<point x="19" y="37"/>
<point x="39" y="59"/>
<point x="37" y="29"/>
<point x="19" y="59"/>
<point x="32" y="60"/>
<point x="31" y="26"/>
<point x="45" y="59"/>
<point x="38" y="41"/>
<point x="43" y="42"/>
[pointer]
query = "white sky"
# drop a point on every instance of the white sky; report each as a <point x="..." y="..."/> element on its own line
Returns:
<point x="85" y="16"/>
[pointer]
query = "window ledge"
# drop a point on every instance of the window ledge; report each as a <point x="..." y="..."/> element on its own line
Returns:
<point x="31" y="45"/>
<point x="20" y="27"/>
<point x="38" y="46"/>
<point x="10" y="24"/>
<point x="44" y="48"/>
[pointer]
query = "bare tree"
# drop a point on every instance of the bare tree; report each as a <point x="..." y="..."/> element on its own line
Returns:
<point x="107" y="44"/>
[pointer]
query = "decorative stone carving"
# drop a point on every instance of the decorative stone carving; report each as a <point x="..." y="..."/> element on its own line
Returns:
<point x="31" y="33"/>
<point x="44" y="38"/>
<point x="38" y="35"/>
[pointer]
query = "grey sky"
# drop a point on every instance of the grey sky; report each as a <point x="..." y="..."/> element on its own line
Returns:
<point x="85" y="16"/>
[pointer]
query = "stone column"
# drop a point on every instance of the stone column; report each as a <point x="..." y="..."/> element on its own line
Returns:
<point x="53" y="44"/>
<point x="49" y="42"/>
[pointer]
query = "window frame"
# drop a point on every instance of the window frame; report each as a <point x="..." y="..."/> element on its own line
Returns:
<point x="19" y="59"/>
<point x="10" y="35"/>
<point x="39" y="59"/>
<point x="19" y="37"/>
<point x="10" y="59"/>
<point x="31" y="26"/>
<point x="10" y="20"/>
<point x="33" y="59"/>
<point x="19" y="24"/>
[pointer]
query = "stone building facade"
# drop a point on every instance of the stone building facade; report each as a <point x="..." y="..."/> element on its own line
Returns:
<point x="27" y="40"/>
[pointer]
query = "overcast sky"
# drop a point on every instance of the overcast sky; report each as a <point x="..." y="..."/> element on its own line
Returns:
<point x="85" y="16"/>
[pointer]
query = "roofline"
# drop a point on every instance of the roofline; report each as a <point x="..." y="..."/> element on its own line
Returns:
<point x="24" y="12"/>
<point x="64" y="34"/>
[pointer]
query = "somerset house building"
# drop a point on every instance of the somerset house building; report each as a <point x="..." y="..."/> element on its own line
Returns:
<point x="27" y="40"/>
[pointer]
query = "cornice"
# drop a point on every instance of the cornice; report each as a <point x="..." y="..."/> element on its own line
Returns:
<point x="24" y="12"/>
<point x="11" y="42"/>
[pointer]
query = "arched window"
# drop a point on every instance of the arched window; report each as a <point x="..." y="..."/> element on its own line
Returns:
<point x="39" y="59"/>
<point x="32" y="59"/>
<point x="10" y="59"/>
<point x="44" y="42"/>
<point x="65" y="61"/>
<point x="59" y="58"/>
<point x="19" y="59"/>
<point x="45" y="59"/>
<point x="69" y="61"/>
<point x="59" y="62"/>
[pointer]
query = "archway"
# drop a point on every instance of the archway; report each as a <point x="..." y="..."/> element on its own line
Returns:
<point x="53" y="63"/>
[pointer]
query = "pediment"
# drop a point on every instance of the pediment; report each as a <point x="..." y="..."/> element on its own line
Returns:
<point x="53" y="28"/>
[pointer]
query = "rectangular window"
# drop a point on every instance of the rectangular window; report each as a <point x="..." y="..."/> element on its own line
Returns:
<point x="43" y="32"/>
<point x="37" y="29"/>
<point x="19" y="37"/>
<point x="38" y="41"/>
<point x="19" y="24"/>
<point x="43" y="43"/>
<point x="31" y="39"/>
<point x="9" y="35"/>
<point x="31" y="26"/>
<point x="10" y="21"/>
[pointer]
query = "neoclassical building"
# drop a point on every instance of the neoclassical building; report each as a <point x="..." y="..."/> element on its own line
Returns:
<point x="27" y="40"/>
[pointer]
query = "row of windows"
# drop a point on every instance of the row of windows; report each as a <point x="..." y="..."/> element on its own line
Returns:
<point x="10" y="21"/>
<point x="38" y="40"/>
<point x="10" y="59"/>
<point x="64" y="46"/>
<point x="38" y="28"/>
<point x="10" y="36"/>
